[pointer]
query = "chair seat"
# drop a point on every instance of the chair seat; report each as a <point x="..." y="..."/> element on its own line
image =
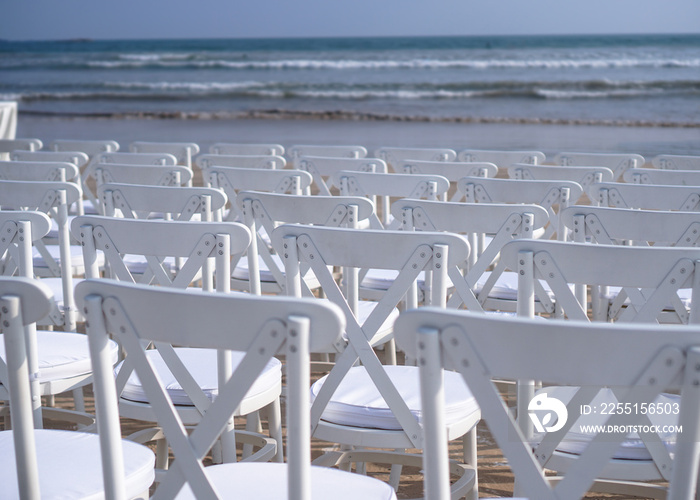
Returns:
<point x="137" y="264"/>
<point x="633" y="447"/>
<point x="268" y="481"/>
<point x="506" y="287"/>
<point x="382" y="279"/>
<point x="358" y="403"/>
<point x="241" y="271"/>
<point x="70" y="465"/>
<point x="63" y="355"/>
<point x="56" y="286"/>
<point x="76" y="255"/>
<point x="201" y="363"/>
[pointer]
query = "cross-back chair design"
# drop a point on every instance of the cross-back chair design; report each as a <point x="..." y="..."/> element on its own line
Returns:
<point x="676" y="162"/>
<point x="155" y="175"/>
<point x="501" y="158"/>
<point x="501" y="223"/>
<point x="266" y="211"/>
<point x="617" y="162"/>
<point x="646" y="196"/>
<point x="657" y="176"/>
<point x="240" y="161"/>
<point x="655" y="358"/>
<point x="255" y="326"/>
<point x="89" y="147"/>
<point x="231" y="180"/>
<point x="584" y="176"/>
<point x="195" y="243"/>
<point x="621" y="226"/>
<point x="335" y="151"/>
<point x="323" y="167"/>
<point x="369" y="404"/>
<point x="349" y="183"/>
<point x="40" y="463"/>
<point x="60" y="261"/>
<point x="136" y="201"/>
<point x="231" y="148"/>
<point x="548" y="194"/>
<point x="61" y="358"/>
<point x="395" y="156"/>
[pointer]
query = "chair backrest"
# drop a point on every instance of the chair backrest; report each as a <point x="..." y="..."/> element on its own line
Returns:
<point x="650" y="276"/>
<point x="266" y="211"/>
<point x="351" y="183"/>
<point x="15" y="247"/>
<point x="395" y="156"/>
<point x="409" y="253"/>
<point x="585" y="176"/>
<point x="617" y="162"/>
<point x="90" y="148"/>
<point x="452" y="170"/>
<point x="260" y="327"/>
<point x="77" y="158"/>
<point x="230" y="148"/>
<point x="648" y="196"/>
<point x="130" y="158"/>
<point x="340" y="151"/>
<point x="10" y="145"/>
<point x="655" y="358"/>
<point x="155" y="240"/>
<point x="501" y="158"/>
<point x="676" y="162"/>
<point x="502" y="222"/>
<point x="231" y="180"/>
<point x="546" y="193"/>
<point x="38" y="171"/>
<point x="23" y="301"/>
<point x="323" y="167"/>
<point x="182" y="151"/>
<point x="667" y="177"/>
<point x="240" y="161"/>
<point x="136" y="201"/>
<point x="155" y="175"/>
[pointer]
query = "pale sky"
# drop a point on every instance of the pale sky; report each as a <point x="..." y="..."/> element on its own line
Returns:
<point x="120" y="19"/>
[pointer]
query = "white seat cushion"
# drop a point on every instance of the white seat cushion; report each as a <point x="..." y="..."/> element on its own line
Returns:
<point x="201" y="363"/>
<point x="241" y="271"/>
<point x="137" y="264"/>
<point x="63" y="354"/>
<point x="70" y="465"/>
<point x="56" y="286"/>
<point x="76" y="253"/>
<point x="358" y="403"/>
<point x="506" y="287"/>
<point x="633" y="447"/>
<point x="268" y="481"/>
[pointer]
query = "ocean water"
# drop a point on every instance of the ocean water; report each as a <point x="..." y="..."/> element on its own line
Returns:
<point x="623" y="80"/>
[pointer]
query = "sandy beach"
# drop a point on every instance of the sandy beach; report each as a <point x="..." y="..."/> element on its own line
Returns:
<point x="548" y="138"/>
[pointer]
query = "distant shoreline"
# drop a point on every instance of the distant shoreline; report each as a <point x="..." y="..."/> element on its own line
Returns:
<point x="342" y="115"/>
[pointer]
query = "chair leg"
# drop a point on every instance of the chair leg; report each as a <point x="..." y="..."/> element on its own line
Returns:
<point x="252" y="424"/>
<point x="395" y="474"/>
<point x="390" y="352"/>
<point x="469" y="442"/>
<point x="162" y="451"/>
<point x="274" y="422"/>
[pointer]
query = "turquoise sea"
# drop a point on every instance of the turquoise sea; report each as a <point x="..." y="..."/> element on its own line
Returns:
<point x="625" y="80"/>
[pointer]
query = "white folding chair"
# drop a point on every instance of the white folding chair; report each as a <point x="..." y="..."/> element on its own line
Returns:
<point x="395" y="156"/>
<point x="240" y="161"/>
<point x="155" y="175"/>
<point x="196" y="243"/>
<point x="548" y="194"/>
<point x="39" y="463"/>
<point x="89" y="147"/>
<point x="62" y="358"/>
<point x="256" y="326"/>
<point x="646" y="196"/>
<point x="657" y="176"/>
<point x="503" y="159"/>
<point x="230" y="148"/>
<point x="584" y="176"/>
<point x="266" y="211"/>
<point x="370" y="405"/>
<point x="337" y="151"/>
<point x="351" y="183"/>
<point x="637" y="362"/>
<point x="617" y="162"/>
<point x="231" y="180"/>
<point x="500" y="222"/>
<point x="676" y="162"/>
<point x="322" y="167"/>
